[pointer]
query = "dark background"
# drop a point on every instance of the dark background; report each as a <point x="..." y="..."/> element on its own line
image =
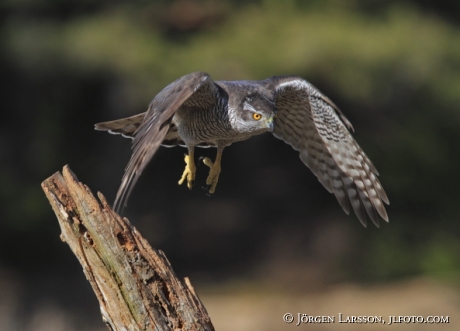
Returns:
<point x="393" y="67"/>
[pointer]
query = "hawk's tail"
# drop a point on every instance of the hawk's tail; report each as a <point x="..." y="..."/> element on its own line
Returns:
<point x="124" y="126"/>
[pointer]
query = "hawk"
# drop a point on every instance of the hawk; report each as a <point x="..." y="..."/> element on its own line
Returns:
<point x="195" y="111"/>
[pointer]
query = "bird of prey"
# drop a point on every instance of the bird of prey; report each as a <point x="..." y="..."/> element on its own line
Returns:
<point x="195" y="111"/>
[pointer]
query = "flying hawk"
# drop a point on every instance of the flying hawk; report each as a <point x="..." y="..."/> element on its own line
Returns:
<point x="195" y="111"/>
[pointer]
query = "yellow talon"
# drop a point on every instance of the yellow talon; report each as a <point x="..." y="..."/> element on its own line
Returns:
<point x="214" y="171"/>
<point x="189" y="171"/>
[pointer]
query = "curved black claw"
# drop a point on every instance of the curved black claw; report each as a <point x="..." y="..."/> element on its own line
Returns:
<point x="207" y="188"/>
<point x="193" y="184"/>
<point x="199" y="161"/>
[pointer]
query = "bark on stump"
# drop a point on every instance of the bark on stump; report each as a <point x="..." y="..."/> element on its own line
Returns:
<point x="134" y="283"/>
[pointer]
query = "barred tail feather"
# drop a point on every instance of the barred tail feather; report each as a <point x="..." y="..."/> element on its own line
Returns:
<point x="125" y="126"/>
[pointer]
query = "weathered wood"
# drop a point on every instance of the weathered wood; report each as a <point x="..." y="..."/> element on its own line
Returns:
<point x="134" y="283"/>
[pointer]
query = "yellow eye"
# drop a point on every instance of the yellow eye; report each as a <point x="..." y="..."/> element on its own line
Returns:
<point x="256" y="116"/>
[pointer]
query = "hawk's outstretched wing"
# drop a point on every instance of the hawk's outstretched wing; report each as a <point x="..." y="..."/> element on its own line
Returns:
<point x="314" y="126"/>
<point x="195" y="89"/>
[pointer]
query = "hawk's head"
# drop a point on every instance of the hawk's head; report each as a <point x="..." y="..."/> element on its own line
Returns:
<point x="255" y="113"/>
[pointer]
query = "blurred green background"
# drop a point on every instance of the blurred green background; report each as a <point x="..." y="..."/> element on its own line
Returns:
<point x="393" y="67"/>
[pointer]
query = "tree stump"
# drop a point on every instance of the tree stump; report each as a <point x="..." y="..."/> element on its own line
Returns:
<point x="134" y="283"/>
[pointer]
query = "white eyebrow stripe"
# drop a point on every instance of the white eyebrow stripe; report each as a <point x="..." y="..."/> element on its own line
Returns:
<point x="247" y="106"/>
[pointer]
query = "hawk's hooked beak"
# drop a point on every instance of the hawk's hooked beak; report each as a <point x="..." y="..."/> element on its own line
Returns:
<point x="271" y="124"/>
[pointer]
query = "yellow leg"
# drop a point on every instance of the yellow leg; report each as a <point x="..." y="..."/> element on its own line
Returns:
<point x="190" y="169"/>
<point x="214" y="171"/>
